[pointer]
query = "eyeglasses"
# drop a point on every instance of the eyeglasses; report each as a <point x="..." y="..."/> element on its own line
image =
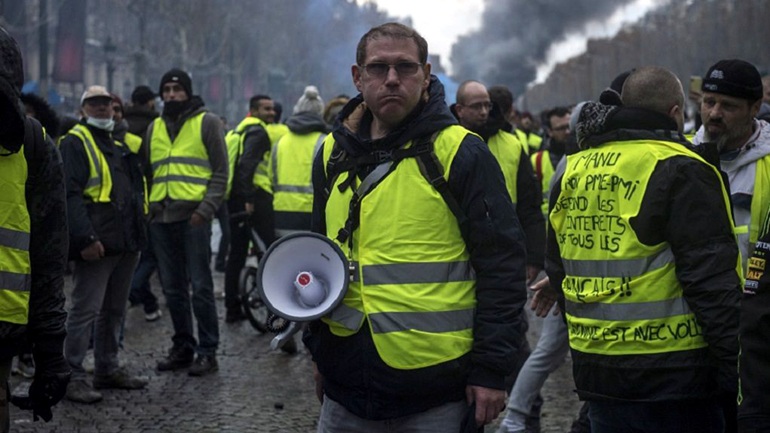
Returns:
<point x="381" y="70"/>
<point x="478" y="106"/>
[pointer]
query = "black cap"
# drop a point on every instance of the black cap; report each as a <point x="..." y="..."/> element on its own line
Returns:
<point x="177" y="75"/>
<point x="611" y="95"/>
<point x="734" y="77"/>
<point x="142" y="95"/>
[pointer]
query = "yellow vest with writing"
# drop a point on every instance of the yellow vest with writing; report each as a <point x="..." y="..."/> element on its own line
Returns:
<point x="181" y="169"/>
<point x="622" y="296"/>
<point x="15" y="270"/>
<point x="414" y="284"/>
<point x="291" y="166"/>
<point x="507" y="151"/>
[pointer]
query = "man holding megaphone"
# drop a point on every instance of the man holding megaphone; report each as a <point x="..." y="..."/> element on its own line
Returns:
<point x="428" y="328"/>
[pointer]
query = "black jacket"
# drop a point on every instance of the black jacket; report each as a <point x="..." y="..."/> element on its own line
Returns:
<point x="529" y="195"/>
<point x="48" y="256"/>
<point x="120" y="224"/>
<point x="256" y="143"/>
<point x="684" y="206"/>
<point x="353" y="372"/>
<point x="754" y="407"/>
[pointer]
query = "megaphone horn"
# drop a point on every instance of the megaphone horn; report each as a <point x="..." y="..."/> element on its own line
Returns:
<point x="303" y="276"/>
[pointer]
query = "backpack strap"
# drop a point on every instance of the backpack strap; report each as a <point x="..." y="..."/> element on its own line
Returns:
<point x="386" y="161"/>
<point x="431" y="169"/>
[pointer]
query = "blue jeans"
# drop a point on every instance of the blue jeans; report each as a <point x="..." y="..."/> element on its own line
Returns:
<point x="223" y="215"/>
<point x="685" y="416"/>
<point x="141" y="292"/>
<point x="549" y="354"/>
<point x="184" y="256"/>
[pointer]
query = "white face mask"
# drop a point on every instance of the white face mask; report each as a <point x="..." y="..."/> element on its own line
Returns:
<point x="105" y="124"/>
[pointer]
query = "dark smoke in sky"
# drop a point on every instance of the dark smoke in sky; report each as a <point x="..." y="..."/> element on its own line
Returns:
<point x="515" y="36"/>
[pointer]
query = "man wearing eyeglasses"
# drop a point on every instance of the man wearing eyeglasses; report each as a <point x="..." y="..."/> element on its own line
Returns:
<point x="555" y="146"/>
<point x="427" y="330"/>
<point x="475" y="111"/>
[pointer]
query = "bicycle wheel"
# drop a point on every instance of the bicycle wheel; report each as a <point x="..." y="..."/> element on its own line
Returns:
<point x="256" y="310"/>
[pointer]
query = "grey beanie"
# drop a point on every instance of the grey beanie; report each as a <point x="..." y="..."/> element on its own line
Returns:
<point x="310" y="101"/>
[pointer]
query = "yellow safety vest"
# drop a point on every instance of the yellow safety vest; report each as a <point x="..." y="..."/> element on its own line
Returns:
<point x="262" y="174"/>
<point x="234" y="141"/>
<point x="15" y="269"/>
<point x="291" y="166"/>
<point x="99" y="185"/>
<point x="544" y="170"/>
<point x="622" y="296"/>
<point x="507" y="150"/>
<point x="531" y="141"/>
<point x="133" y="141"/>
<point x="414" y="284"/>
<point x="276" y="131"/>
<point x="181" y="169"/>
<point x="760" y="204"/>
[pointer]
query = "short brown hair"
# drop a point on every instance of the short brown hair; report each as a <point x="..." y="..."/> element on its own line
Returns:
<point x="395" y="31"/>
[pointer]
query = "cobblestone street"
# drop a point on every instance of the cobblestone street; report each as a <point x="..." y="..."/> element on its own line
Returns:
<point x="255" y="390"/>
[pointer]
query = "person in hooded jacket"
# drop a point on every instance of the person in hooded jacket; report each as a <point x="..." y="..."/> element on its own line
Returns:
<point x="732" y="97"/>
<point x="291" y="161"/>
<point x="34" y="215"/>
<point x="428" y="328"/>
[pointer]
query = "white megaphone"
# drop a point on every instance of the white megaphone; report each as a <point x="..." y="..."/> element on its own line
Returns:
<point x="302" y="277"/>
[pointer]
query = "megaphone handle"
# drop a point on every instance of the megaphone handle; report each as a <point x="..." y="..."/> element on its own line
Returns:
<point x="281" y="339"/>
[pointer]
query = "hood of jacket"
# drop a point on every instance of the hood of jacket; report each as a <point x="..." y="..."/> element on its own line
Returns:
<point x="306" y="122"/>
<point x="138" y="118"/>
<point x="352" y="127"/>
<point x="11" y="80"/>
<point x="756" y="147"/>
<point x="599" y="123"/>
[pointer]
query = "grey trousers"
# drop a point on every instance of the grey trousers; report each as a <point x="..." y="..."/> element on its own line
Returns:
<point x="98" y="305"/>
<point x="445" y="418"/>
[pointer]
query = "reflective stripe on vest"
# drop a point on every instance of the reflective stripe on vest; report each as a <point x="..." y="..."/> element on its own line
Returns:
<point x="15" y="279"/>
<point x="414" y="283"/>
<point x="99" y="185"/>
<point x="622" y="296"/>
<point x="262" y="176"/>
<point x="291" y="166"/>
<point x="234" y="141"/>
<point x="507" y="151"/>
<point x="181" y="170"/>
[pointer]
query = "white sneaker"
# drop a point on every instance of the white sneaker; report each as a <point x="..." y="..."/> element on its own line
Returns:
<point x="155" y="315"/>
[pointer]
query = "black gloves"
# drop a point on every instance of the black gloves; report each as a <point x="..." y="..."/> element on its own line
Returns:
<point x="52" y="374"/>
<point x="46" y="390"/>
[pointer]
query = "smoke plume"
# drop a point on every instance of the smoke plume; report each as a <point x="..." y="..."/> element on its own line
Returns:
<point x="515" y="36"/>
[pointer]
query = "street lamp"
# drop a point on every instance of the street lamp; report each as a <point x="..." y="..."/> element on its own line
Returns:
<point x="109" y="57"/>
